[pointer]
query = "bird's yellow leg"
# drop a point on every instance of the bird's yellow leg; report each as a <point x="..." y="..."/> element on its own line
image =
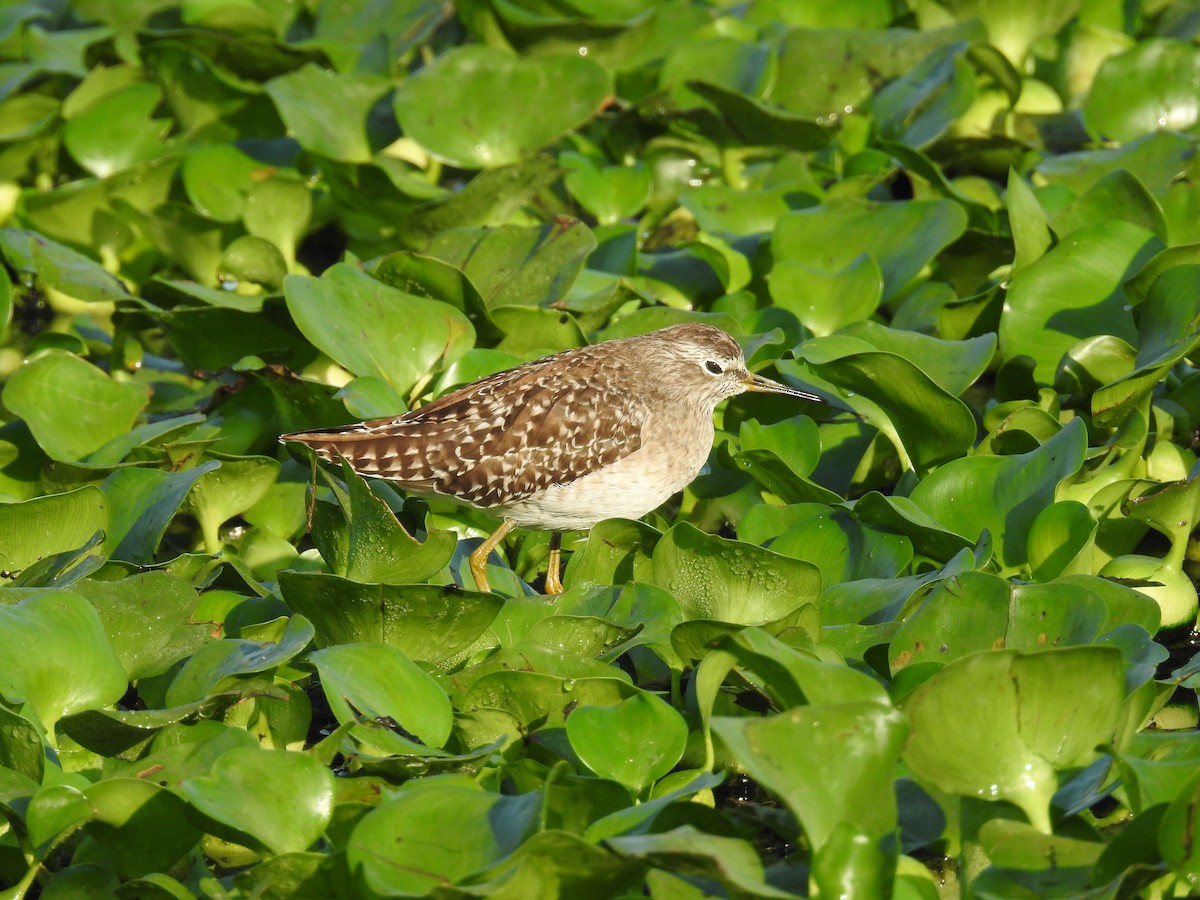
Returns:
<point x="554" y="583"/>
<point x="479" y="558"/>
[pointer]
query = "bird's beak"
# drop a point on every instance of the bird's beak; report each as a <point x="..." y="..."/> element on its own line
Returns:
<point x="762" y="385"/>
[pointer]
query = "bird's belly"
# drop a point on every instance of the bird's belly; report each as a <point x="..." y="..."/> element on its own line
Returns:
<point x="627" y="489"/>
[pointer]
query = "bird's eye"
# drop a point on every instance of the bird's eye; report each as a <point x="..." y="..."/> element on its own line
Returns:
<point x="713" y="367"/>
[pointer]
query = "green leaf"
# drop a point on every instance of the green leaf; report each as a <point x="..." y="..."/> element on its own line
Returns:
<point x="149" y="618"/>
<point x="374" y="681"/>
<point x="118" y="131"/>
<point x="1018" y="721"/>
<point x="514" y="265"/>
<point x="636" y="742"/>
<point x="730" y="581"/>
<point x="373" y="329"/>
<point x="428" y="623"/>
<point x="139" y="827"/>
<point x="1074" y="291"/>
<point x="404" y="847"/>
<point x="830" y="764"/>
<point x="282" y="800"/>
<point x="59" y="658"/>
<point x="72" y="408"/>
<point x="1002" y="494"/>
<point x="143" y="502"/>
<point x="36" y="529"/>
<point x="328" y="112"/>
<point x="228" y="490"/>
<point x="825" y="301"/>
<point x="479" y="83"/>
<point x="901" y="237"/>
<point x="1151" y="86"/>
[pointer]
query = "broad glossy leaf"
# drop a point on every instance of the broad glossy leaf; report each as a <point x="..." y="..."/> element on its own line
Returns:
<point x="843" y="549"/>
<point x="373" y="546"/>
<point x="901" y="237"/>
<point x="377" y="681"/>
<point x="404" y="847"/>
<point x="118" y="131"/>
<point x="1149" y="87"/>
<point x="726" y="860"/>
<point x="518" y="265"/>
<point x="139" y="827"/>
<point x="714" y="578"/>
<point x="21" y="750"/>
<point x="71" y="406"/>
<point x="428" y="622"/>
<point x="1073" y="292"/>
<point x="228" y="490"/>
<point x="37" y="528"/>
<point x="826" y="301"/>
<point x="1002" y="494"/>
<point x="143" y="503"/>
<point x="610" y="193"/>
<point x="1060" y="540"/>
<point x="373" y="329"/>
<point x="534" y="697"/>
<point x="59" y="660"/>
<point x="479" y="82"/>
<point x="1013" y="29"/>
<point x="1027" y="220"/>
<point x="617" y="551"/>
<point x="149" y="619"/>
<point x="927" y="425"/>
<point x="283" y="800"/>
<point x="218" y="660"/>
<point x="953" y="365"/>
<point x="1018" y="721"/>
<point x="830" y="763"/>
<point x="47" y="263"/>
<point x="1118" y="195"/>
<point x="636" y="742"/>
<point x="328" y="112"/>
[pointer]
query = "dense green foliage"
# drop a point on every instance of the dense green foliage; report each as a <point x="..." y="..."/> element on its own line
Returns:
<point x="930" y="639"/>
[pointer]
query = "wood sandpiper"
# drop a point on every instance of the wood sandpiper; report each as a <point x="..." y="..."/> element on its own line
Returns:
<point x="606" y="431"/>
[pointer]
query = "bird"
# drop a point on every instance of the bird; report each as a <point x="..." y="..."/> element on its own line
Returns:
<point x="609" y="430"/>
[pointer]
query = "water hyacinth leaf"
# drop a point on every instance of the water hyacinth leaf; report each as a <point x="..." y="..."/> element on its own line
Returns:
<point x="376" y="681"/>
<point x="214" y="662"/>
<point x="21" y="750"/>
<point x="428" y="622"/>
<point x="1074" y="291"/>
<point x="403" y="847"/>
<point x="953" y="365"/>
<point x="118" y="131"/>
<point x="71" y="406"/>
<point x="139" y="826"/>
<point x="227" y="491"/>
<point x="1118" y="195"/>
<point x="1027" y="219"/>
<point x="843" y="549"/>
<point x="713" y="578"/>
<point x="579" y="868"/>
<point x="925" y="424"/>
<point x="1002" y="494"/>
<point x="759" y="123"/>
<point x="373" y="546"/>
<point x="518" y="265"/>
<point x="126" y="733"/>
<point x="530" y="697"/>
<point x="617" y="551"/>
<point x="920" y="105"/>
<point x="610" y="193"/>
<point x="635" y="743"/>
<point x="372" y="329"/>
<point x="1149" y="87"/>
<point x="479" y="82"/>
<point x="43" y="526"/>
<point x="49" y="264"/>
<point x="283" y="801"/>
<point x="742" y="66"/>
<point x="901" y="237"/>
<point x="143" y="503"/>
<point x="830" y="764"/>
<point x="53" y="813"/>
<point x="149" y="620"/>
<point x="1013" y="30"/>
<point x="60" y="660"/>
<point x="1059" y="540"/>
<point x="327" y="112"/>
<point x="826" y="301"/>
<point x="1018" y="721"/>
<point x="725" y="860"/>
